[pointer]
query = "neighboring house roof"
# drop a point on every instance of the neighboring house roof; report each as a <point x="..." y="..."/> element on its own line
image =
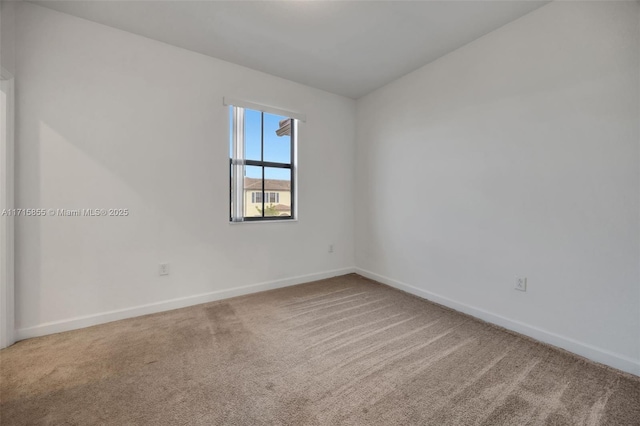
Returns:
<point x="285" y="127"/>
<point x="269" y="184"/>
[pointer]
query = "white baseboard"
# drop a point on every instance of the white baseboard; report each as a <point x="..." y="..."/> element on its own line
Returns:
<point x="593" y="353"/>
<point x="167" y="305"/>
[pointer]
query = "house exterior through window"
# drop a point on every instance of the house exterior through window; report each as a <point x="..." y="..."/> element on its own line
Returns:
<point x="262" y="165"/>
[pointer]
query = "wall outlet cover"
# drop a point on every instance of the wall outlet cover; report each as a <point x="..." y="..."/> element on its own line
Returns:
<point x="163" y="269"/>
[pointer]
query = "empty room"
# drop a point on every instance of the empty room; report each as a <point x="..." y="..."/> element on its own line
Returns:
<point x="319" y="212"/>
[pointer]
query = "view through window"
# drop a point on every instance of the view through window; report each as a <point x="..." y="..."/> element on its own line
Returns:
<point x="262" y="161"/>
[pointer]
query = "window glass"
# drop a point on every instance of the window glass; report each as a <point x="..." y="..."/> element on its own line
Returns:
<point x="278" y="184"/>
<point x="253" y="191"/>
<point x="277" y="138"/>
<point x="261" y="165"/>
<point x="253" y="134"/>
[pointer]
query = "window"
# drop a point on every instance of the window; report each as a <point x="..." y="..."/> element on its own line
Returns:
<point x="262" y="165"/>
<point x="270" y="197"/>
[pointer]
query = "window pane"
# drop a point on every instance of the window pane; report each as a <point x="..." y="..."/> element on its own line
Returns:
<point x="252" y="134"/>
<point x="278" y="184"/>
<point x="277" y="148"/>
<point x="253" y="191"/>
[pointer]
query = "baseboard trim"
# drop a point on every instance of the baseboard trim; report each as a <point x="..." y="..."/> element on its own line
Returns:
<point x="167" y="305"/>
<point x="590" y="352"/>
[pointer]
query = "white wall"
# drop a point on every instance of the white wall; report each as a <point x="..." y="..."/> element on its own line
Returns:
<point x="7" y="125"/>
<point x="107" y="119"/>
<point x="7" y="35"/>
<point x="516" y="155"/>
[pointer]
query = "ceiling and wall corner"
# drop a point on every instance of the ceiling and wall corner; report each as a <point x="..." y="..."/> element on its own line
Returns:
<point x="344" y="47"/>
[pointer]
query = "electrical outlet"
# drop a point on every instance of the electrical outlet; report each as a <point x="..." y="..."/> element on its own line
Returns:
<point x="521" y="284"/>
<point x="163" y="269"/>
<point x="330" y="248"/>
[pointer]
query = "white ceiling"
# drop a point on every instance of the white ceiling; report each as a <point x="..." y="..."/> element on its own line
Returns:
<point x="346" y="47"/>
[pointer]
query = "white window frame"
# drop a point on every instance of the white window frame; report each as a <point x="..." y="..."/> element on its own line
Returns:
<point x="238" y="162"/>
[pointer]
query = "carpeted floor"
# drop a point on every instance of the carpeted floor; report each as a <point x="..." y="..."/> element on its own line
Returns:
<point x="340" y="351"/>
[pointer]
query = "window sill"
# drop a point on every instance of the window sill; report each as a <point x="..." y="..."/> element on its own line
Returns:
<point x="264" y="221"/>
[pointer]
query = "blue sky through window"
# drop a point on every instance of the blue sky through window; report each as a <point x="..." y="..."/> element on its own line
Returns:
<point x="276" y="148"/>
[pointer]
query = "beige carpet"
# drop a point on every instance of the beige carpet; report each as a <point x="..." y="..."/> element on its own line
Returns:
<point x="340" y="351"/>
